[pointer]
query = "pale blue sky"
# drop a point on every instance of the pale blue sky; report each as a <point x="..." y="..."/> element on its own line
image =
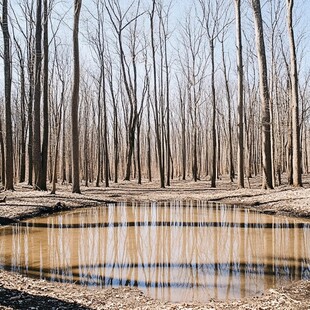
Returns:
<point x="179" y="8"/>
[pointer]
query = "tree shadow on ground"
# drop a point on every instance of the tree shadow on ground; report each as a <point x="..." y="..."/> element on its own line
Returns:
<point x="21" y="300"/>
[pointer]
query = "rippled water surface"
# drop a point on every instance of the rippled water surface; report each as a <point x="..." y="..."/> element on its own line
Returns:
<point x="177" y="251"/>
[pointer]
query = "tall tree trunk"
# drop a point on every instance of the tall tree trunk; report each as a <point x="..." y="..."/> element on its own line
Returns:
<point x="69" y="165"/>
<point x="130" y="148"/>
<point x="7" y="90"/>
<point x="45" y="101"/>
<point x="58" y="125"/>
<point x="30" y="114"/>
<point x="132" y="98"/>
<point x="230" y="142"/>
<point x="115" y="128"/>
<point x="240" y="96"/>
<point x="294" y="99"/>
<point x="213" y="125"/>
<point x="22" y="173"/>
<point x="105" y="132"/>
<point x="99" y="129"/>
<point x="22" y="140"/>
<point x="63" y="157"/>
<point x="289" y="152"/>
<point x="149" y="156"/>
<point x="168" y="147"/>
<point x="273" y="99"/>
<point x="183" y="131"/>
<point x="2" y="154"/>
<point x="36" y="150"/>
<point x="75" y="102"/>
<point x="264" y="94"/>
<point x="138" y="151"/>
<point x="168" y="120"/>
<point x="156" y="109"/>
<point x="86" y="142"/>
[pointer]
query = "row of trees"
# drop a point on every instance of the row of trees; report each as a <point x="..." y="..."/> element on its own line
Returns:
<point x="152" y="94"/>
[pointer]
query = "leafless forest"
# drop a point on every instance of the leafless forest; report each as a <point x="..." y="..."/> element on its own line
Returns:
<point x="98" y="91"/>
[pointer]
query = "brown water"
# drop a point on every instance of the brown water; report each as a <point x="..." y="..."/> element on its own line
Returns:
<point x="178" y="251"/>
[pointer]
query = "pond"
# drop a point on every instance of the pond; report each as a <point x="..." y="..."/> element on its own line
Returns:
<point x="173" y="250"/>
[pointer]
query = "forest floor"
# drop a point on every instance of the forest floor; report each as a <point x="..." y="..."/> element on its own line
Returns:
<point x="19" y="292"/>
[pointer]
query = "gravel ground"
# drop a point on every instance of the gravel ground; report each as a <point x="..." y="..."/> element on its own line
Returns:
<point x="19" y="292"/>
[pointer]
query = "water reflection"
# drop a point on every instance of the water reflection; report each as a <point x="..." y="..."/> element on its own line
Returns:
<point x="179" y="251"/>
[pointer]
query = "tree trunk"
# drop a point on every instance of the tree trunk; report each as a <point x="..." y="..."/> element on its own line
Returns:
<point x="132" y="98"/>
<point x="213" y="130"/>
<point x="45" y="102"/>
<point x="149" y="156"/>
<point x="2" y="155"/>
<point x="22" y="140"/>
<point x="99" y="129"/>
<point x="183" y="131"/>
<point x="230" y="142"/>
<point x="289" y="150"/>
<point x="86" y="142"/>
<point x="294" y="99"/>
<point x="168" y="147"/>
<point x="264" y="94"/>
<point x="63" y="157"/>
<point x="156" y="109"/>
<point x="30" y="115"/>
<point x="240" y="96"/>
<point x="115" y="128"/>
<point x="105" y="132"/>
<point x="7" y="90"/>
<point x="54" y="178"/>
<point x="139" y="151"/>
<point x="36" y="150"/>
<point x="75" y="102"/>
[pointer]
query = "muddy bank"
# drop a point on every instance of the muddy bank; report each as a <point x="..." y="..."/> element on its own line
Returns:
<point x="19" y="292"/>
<point x="25" y="203"/>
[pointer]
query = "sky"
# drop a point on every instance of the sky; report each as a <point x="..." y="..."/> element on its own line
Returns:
<point x="179" y="9"/>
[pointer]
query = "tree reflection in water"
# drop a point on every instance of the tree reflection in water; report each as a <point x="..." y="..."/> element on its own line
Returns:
<point x="175" y="250"/>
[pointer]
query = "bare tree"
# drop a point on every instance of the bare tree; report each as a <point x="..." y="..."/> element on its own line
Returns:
<point x="212" y="12"/>
<point x="75" y="102"/>
<point x="22" y="140"/>
<point x="29" y="12"/>
<point x="2" y="154"/>
<point x="115" y="99"/>
<point x="26" y="59"/>
<point x="59" y="65"/>
<point x="182" y="101"/>
<point x="240" y="95"/>
<point x="156" y="109"/>
<point x="148" y="105"/>
<point x="36" y="151"/>
<point x="193" y="62"/>
<point x="98" y="44"/>
<point x="163" y="32"/>
<point x="45" y="97"/>
<point x="9" y="182"/>
<point x="229" y="108"/>
<point x="120" y="22"/>
<point x="294" y="98"/>
<point x="264" y="96"/>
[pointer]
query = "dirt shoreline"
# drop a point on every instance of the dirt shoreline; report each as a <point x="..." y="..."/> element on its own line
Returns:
<point x="20" y="292"/>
